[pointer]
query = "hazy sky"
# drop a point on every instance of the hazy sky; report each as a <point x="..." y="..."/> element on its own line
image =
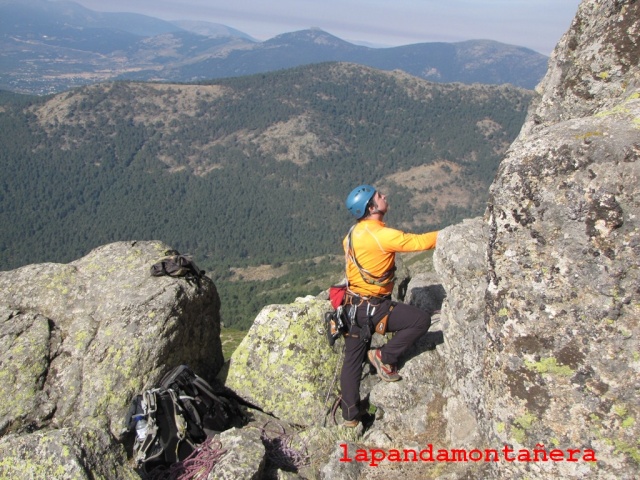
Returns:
<point x="536" y="24"/>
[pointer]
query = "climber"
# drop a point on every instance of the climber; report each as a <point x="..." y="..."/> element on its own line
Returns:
<point x="370" y="248"/>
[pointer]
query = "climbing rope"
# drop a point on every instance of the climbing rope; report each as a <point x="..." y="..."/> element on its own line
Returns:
<point x="332" y="409"/>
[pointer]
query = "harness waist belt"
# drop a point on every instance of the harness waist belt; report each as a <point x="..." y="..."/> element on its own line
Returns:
<point x="355" y="299"/>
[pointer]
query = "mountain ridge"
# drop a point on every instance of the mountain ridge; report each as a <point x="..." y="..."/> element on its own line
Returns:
<point x="72" y="46"/>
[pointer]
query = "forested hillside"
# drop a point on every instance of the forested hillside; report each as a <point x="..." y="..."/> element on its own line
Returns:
<point x="247" y="171"/>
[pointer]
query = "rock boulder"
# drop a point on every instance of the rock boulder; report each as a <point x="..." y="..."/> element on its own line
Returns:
<point x="79" y="340"/>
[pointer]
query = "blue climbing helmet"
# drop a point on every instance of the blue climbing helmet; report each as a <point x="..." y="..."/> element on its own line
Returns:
<point x="358" y="199"/>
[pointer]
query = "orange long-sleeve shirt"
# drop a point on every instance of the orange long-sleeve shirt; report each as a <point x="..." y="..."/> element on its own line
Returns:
<point x="375" y="246"/>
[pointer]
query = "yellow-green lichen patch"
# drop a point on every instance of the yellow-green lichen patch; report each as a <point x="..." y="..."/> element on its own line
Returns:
<point x="620" y="410"/>
<point x="549" y="365"/>
<point x="628" y="449"/>
<point x="39" y="456"/>
<point x="617" y="110"/>
<point x="518" y="434"/>
<point x="588" y="135"/>
<point x="62" y="280"/>
<point x="521" y="425"/>
<point x="525" y="421"/>
<point x="622" y="108"/>
<point x="24" y="365"/>
<point x="620" y="440"/>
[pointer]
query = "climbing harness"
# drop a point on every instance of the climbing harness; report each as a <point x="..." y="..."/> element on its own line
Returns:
<point x="385" y="279"/>
<point x="354" y="301"/>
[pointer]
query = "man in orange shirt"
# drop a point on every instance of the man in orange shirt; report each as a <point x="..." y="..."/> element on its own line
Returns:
<point x="370" y="249"/>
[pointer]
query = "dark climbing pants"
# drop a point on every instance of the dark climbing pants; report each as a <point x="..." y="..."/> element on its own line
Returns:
<point x="407" y="322"/>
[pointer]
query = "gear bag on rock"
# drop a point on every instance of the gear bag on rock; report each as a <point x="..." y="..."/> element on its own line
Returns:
<point x="176" y="265"/>
<point x="172" y="420"/>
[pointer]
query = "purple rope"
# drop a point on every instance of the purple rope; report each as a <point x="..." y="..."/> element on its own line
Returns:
<point x="197" y="465"/>
<point x="279" y="449"/>
<point x="200" y="463"/>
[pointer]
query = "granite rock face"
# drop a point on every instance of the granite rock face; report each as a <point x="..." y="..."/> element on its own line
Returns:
<point x="594" y="68"/>
<point x="563" y="301"/>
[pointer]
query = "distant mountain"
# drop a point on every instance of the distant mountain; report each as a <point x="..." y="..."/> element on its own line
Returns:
<point x="48" y="47"/>
<point x="478" y="61"/>
<point x="44" y="17"/>
<point x="209" y="29"/>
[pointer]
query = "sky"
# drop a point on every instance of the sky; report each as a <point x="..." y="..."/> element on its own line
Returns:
<point x="535" y="24"/>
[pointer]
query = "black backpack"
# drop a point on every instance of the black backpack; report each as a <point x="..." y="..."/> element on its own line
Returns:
<point x="175" y="264"/>
<point x="172" y="420"/>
